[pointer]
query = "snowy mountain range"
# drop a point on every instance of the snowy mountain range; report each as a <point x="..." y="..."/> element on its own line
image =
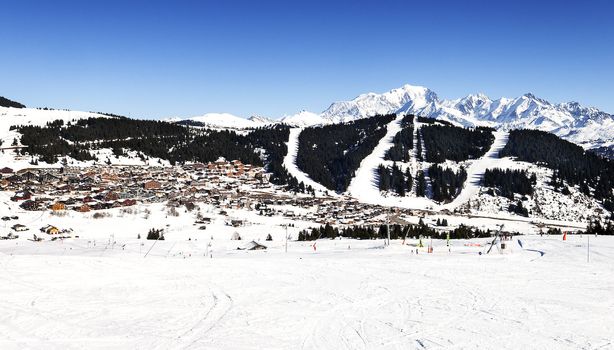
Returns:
<point x="586" y="126"/>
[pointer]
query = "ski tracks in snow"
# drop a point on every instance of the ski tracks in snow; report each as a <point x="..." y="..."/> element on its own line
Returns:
<point x="220" y="303"/>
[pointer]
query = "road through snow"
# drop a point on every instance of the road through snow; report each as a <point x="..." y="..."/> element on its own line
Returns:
<point x="290" y="163"/>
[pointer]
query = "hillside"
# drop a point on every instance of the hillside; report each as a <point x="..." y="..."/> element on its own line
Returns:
<point x="398" y="160"/>
<point x="5" y="102"/>
<point x="586" y="126"/>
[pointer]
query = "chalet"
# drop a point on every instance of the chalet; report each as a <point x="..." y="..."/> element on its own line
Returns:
<point x="57" y="206"/>
<point x="204" y="220"/>
<point x="236" y="223"/>
<point x="19" y="227"/>
<point x="29" y="176"/>
<point x="6" y="171"/>
<point x="253" y="245"/>
<point x="52" y="230"/>
<point x="152" y="185"/>
<point x="129" y="202"/>
<point x="20" y="196"/>
<point x="48" y="178"/>
<point x="84" y="208"/>
<point x="29" y="205"/>
<point x="15" y="178"/>
<point x="111" y="196"/>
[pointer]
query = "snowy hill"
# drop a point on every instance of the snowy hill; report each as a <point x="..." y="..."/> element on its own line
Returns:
<point x="586" y="126"/>
<point x="227" y="120"/>
<point x="303" y="119"/>
<point x="10" y="116"/>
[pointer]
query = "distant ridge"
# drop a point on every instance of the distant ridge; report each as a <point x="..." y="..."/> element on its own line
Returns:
<point x="5" y="102"/>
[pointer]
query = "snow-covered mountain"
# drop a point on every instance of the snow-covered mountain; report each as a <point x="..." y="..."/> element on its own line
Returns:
<point x="405" y="98"/>
<point x="303" y="119"/>
<point x="36" y="117"/>
<point x="227" y="120"/>
<point x="586" y="126"/>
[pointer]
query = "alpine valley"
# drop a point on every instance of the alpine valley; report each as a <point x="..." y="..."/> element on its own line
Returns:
<point x="523" y="158"/>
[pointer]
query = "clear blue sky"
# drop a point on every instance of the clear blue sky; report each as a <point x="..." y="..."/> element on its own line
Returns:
<point x="181" y="58"/>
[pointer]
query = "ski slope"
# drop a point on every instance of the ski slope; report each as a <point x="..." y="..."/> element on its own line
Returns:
<point x="290" y="163"/>
<point x="364" y="186"/>
<point x="475" y="171"/>
<point x="59" y="295"/>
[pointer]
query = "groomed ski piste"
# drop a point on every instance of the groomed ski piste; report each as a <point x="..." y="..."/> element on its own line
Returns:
<point x="364" y="186"/>
<point x="347" y="294"/>
<point x="475" y="171"/>
<point x="290" y="163"/>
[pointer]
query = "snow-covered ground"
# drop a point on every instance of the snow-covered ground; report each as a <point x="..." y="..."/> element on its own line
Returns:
<point x="35" y="117"/>
<point x="290" y="163"/>
<point x="475" y="171"/>
<point x="364" y="185"/>
<point x="346" y="295"/>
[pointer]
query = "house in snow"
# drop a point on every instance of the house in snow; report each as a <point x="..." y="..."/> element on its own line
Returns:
<point x="19" y="227"/>
<point x="253" y="245"/>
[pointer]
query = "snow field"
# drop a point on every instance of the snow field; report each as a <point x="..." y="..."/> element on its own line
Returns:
<point x="334" y="298"/>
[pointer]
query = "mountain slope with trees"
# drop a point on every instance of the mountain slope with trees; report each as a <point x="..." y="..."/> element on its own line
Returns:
<point x="5" y="102"/>
<point x="331" y="154"/>
<point x="446" y="142"/>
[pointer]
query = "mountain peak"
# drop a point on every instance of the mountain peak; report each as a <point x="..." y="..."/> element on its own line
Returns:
<point x="302" y="119"/>
<point x="527" y="111"/>
<point x="407" y="98"/>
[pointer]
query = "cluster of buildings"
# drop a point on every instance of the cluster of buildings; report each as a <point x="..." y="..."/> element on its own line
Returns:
<point x="223" y="184"/>
<point x="105" y="187"/>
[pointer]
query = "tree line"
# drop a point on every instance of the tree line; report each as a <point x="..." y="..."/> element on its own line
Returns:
<point x="394" y="179"/>
<point x="402" y="143"/>
<point x="593" y="175"/>
<point x="331" y="154"/>
<point x="365" y="232"/>
<point x="446" y="183"/>
<point x="455" y="143"/>
<point x="5" y="102"/>
<point x="507" y="182"/>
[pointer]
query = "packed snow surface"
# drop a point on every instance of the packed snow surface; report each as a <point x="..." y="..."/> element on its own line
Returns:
<point x="365" y="186"/>
<point x="345" y="295"/>
<point x="475" y="171"/>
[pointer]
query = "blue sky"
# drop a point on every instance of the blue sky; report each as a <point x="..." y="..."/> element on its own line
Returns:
<point x="155" y="59"/>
